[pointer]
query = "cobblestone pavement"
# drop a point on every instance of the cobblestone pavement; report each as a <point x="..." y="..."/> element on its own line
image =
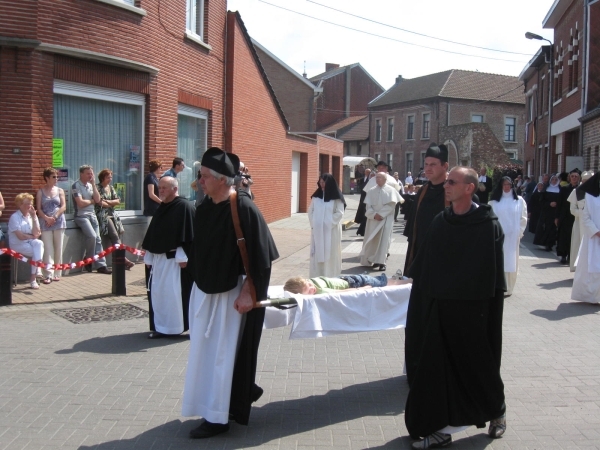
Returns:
<point x="103" y="385"/>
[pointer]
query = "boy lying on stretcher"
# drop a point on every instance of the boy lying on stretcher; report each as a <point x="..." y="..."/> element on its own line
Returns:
<point x="322" y="285"/>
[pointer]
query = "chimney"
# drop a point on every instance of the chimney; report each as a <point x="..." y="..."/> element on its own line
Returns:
<point x="399" y="79"/>
<point x="331" y="66"/>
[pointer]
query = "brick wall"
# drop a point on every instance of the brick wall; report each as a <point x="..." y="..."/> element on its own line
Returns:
<point x="294" y="96"/>
<point x="591" y="144"/>
<point x="157" y="39"/>
<point x="593" y="94"/>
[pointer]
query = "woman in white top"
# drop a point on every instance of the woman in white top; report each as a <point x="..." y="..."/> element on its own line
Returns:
<point x="511" y="210"/>
<point x="24" y="231"/>
<point x="325" y="215"/>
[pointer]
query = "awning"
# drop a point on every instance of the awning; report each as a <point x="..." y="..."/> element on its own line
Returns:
<point x="356" y="160"/>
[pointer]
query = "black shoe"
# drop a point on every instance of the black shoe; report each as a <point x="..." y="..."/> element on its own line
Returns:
<point x="382" y="267"/>
<point x="548" y="248"/>
<point x="155" y="335"/>
<point x="104" y="270"/>
<point x="257" y="393"/>
<point x="88" y="268"/>
<point x="563" y="260"/>
<point x="208" y="429"/>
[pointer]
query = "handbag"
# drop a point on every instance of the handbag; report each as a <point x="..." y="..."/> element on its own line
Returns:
<point x="241" y="242"/>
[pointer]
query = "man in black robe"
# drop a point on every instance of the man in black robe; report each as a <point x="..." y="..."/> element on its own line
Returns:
<point x="485" y="186"/>
<point x="167" y="243"/>
<point x="428" y="202"/>
<point x="225" y="330"/>
<point x="564" y="219"/>
<point x="360" y="217"/>
<point x="457" y="336"/>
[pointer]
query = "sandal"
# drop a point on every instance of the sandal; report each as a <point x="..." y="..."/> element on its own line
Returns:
<point x="497" y="427"/>
<point x="47" y="280"/>
<point x="55" y="278"/>
<point x="34" y="285"/>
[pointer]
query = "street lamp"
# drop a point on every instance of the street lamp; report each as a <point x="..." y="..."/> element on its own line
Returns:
<point x="537" y="37"/>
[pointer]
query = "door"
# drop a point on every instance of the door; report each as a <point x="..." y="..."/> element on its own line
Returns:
<point x="295" y="182"/>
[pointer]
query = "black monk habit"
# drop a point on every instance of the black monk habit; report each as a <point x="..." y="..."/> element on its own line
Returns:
<point x="216" y="266"/>
<point x="565" y="221"/>
<point x="429" y="202"/>
<point x="453" y="341"/>
<point x="172" y="226"/>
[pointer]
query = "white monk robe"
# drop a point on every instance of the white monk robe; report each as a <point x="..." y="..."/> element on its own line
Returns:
<point x="586" y="283"/>
<point x="390" y="181"/>
<point x="378" y="233"/>
<point x="576" y="206"/>
<point x="326" y="237"/>
<point x="215" y="327"/>
<point x="512" y="215"/>
<point x="165" y="285"/>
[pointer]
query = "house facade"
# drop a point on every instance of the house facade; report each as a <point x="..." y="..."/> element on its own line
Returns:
<point x="479" y="116"/>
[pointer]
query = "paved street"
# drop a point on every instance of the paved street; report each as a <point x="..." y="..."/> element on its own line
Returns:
<point x="103" y="385"/>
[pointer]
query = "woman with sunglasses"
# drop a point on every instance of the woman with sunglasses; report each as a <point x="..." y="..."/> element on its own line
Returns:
<point x="51" y="206"/>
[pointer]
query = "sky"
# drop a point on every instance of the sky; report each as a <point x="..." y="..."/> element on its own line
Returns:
<point x="381" y="46"/>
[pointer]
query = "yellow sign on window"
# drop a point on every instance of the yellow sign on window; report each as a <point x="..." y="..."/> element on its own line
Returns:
<point x="57" y="152"/>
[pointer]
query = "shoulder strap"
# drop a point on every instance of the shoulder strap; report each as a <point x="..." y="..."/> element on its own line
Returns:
<point x="241" y="242"/>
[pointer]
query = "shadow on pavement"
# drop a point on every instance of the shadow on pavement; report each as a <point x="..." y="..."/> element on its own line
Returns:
<point x="280" y="419"/>
<point x="477" y="442"/>
<point x="568" y="283"/>
<point x="568" y="310"/>
<point x="121" y="343"/>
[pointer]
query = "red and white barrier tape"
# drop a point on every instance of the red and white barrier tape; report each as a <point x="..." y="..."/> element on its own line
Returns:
<point x="85" y="262"/>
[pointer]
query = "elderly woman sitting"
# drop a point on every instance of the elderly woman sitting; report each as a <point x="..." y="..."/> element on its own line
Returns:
<point x="24" y="231"/>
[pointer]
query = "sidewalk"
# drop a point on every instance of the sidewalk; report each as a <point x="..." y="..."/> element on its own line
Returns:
<point x="103" y="385"/>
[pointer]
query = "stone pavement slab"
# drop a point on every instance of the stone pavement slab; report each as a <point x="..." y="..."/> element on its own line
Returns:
<point x="105" y="386"/>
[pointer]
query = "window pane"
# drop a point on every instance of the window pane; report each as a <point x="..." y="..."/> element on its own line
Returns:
<point x="191" y="145"/>
<point x="478" y="118"/>
<point x="105" y="135"/>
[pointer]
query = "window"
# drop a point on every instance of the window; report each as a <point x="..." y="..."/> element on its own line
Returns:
<point x="530" y="108"/>
<point x="390" y="160"/>
<point x="103" y="128"/>
<point x="377" y="157"/>
<point x="191" y="145"/>
<point x="426" y="120"/>
<point x="573" y="61"/>
<point x="510" y="123"/>
<point x="410" y="127"/>
<point x="377" y="130"/>
<point x="422" y="160"/>
<point x="542" y="97"/>
<point x="194" y="17"/>
<point x="390" y="129"/>
<point x="558" y="74"/>
<point x="477" y="118"/>
<point x="512" y="155"/>
<point x="409" y="162"/>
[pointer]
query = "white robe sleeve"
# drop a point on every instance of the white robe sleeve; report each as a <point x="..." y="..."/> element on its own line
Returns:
<point x="523" y="215"/>
<point x="149" y="258"/>
<point x="338" y="213"/>
<point x="574" y="207"/>
<point x="387" y="209"/>
<point x="180" y="256"/>
<point x="589" y="227"/>
<point x="311" y="211"/>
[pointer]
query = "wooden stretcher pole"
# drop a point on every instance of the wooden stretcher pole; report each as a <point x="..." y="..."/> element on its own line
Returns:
<point x="276" y="302"/>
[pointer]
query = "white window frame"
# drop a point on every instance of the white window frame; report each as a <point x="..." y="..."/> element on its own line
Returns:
<point x="478" y="115"/>
<point x="390" y="159"/>
<point x="378" y="130"/>
<point x="129" y="5"/>
<point x="408" y="122"/>
<point x="194" y="22"/>
<point x="512" y="154"/>
<point x="515" y="129"/>
<point x="423" y="126"/>
<point x="109" y="95"/>
<point x="390" y="122"/>
<point x="412" y="163"/>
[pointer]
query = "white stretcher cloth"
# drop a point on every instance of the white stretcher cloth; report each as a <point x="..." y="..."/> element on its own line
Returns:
<point x="342" y="312"/>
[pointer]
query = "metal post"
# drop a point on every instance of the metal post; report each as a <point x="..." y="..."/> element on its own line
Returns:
<point x="5" y="280"/>
<point x="118" y="272"/>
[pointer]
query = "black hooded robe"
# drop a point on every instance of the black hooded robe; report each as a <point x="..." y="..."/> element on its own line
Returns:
<point x="565" y="221"/>
<point x="172" y="226"/>
<point x="216" y="264"/>
<point x="545" y="232"/>
<point x="453" y="342"/>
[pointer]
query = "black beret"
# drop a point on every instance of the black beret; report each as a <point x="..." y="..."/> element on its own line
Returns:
<point x="221" y="162"/>
<point x="437" y="151"/>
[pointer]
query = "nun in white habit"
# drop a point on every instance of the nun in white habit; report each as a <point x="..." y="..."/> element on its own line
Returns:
<point x="511" y="210"/>
<point x="325" y="214"/>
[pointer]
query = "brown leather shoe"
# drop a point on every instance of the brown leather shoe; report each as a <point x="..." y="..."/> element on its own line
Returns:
<point x="104" y="270"/>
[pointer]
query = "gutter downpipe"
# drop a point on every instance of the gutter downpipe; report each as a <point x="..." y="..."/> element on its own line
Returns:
<point x="584" y="75"/>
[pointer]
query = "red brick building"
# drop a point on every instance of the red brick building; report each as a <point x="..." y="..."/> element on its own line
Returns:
<point x="117" y="83"/>
<point x="571" y="64"/>
<point x="479" y="116"/>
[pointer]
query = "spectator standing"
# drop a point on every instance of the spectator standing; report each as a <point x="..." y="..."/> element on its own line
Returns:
<point x="108" y="219"/>
<point x="51" y="206"/>
<point x="409" y="179"/>
<point x="178" y="166"/>
<point x="23" y="233"/>
<point x="484" y="187"/>
<point x="577" y="204"/>
<point x="564" y="219"/>
<point x="151" y="200"/>
<point x="586" y="282"/>
<point x="456" y="336"/>
<point x="325" y="214"/>
<point x="85" y="196"/>
<point x="511" y="210"/>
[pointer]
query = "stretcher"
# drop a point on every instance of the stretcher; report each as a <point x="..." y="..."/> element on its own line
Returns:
<point x="343" y="312"/>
